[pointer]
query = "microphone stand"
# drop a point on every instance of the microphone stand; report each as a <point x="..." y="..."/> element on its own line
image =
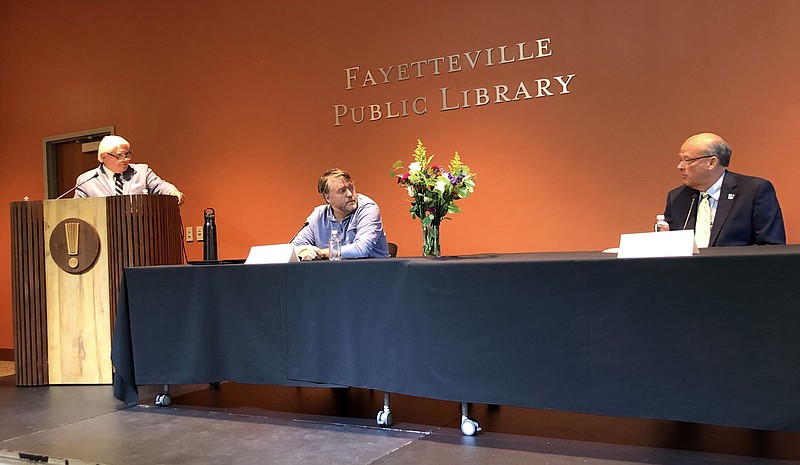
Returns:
<point x="298" y="232"/>
<point x="77" y="186"/>
<point x="689" y="213"/>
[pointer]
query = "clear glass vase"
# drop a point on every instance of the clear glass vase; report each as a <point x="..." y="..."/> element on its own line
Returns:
<point x="430" y="240"/>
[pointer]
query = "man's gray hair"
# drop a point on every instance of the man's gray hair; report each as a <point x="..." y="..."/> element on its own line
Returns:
<point x="721" y="150"/>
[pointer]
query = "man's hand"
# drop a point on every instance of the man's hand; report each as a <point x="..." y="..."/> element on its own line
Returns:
<point x="307" y="252"/>
<point x="179" y="195"/>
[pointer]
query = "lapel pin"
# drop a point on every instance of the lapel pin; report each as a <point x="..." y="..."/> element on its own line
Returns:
<point x="731" y="196"/>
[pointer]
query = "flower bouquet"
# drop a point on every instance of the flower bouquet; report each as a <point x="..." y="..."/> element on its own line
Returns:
<point x="434" y="190"/>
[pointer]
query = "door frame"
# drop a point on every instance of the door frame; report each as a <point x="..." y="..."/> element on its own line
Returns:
<point x="49" y="153"/>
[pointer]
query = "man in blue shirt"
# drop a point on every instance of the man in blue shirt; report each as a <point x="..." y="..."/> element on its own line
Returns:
<point x="356" y="217"/>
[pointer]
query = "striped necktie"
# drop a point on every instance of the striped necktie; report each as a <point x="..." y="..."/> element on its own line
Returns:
<point x="118" y="183"/>
<point x="702" y="229"/>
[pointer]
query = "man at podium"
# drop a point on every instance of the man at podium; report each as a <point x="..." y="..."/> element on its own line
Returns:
<point x="116" y="175"/>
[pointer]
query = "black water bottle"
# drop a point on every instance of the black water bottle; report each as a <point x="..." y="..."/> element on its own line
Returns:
<point x="210" y="234"/>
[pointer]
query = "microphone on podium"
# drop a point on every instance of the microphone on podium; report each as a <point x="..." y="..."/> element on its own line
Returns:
<point x="77" y="186"/>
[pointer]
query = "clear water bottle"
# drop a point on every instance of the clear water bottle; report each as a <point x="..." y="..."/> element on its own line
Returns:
<point x="661" y="224"/>
<point x="334" y="246"/>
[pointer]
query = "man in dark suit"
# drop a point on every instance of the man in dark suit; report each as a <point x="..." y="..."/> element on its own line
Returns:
<point x="739" y="209"/>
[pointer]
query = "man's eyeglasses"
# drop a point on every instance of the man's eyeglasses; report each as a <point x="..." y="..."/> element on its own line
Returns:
<point x="120" y="156"/>
<point x="689" y="161"/>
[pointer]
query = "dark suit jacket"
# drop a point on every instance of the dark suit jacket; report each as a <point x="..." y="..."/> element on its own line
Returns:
<point x="748" y="212"/>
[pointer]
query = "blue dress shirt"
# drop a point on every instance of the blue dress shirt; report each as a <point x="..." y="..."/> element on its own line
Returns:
<point x="361" y="232"/>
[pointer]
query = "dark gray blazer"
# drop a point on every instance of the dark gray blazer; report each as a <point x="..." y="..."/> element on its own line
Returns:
<point x="748" y="212"/>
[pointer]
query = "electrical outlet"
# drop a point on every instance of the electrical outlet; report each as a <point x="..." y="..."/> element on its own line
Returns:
<point x="189" y="234"/>
<point x="198" y="233"/>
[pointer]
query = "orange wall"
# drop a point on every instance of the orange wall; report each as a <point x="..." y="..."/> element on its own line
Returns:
<point x="234" y="103"/>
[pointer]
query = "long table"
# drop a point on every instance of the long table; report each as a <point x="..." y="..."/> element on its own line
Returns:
<point x="710" y="339"/>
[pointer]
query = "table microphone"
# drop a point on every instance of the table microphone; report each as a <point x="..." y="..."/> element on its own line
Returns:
<point x="298" y="232"/>
<point x="694" y="198"/>
<point x="96" y="174"/>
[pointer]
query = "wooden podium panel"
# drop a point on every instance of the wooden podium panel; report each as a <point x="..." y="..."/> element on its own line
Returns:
<point x="78" y="305"/>
<point x="67" y="261"/>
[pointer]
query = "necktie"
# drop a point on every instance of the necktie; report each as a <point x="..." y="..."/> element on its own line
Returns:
<point x="118" y="182"/>
<point x="702" y="229"/>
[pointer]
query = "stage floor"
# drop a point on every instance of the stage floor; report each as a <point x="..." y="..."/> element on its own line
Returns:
<point x="246" y="424"/>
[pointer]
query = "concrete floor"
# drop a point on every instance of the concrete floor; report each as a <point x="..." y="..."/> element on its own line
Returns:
<point x="241" y="424"/>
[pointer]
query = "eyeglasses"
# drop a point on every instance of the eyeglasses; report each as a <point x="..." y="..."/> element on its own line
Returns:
<point x="688" y="161"/>
<point x="120" y="156"/>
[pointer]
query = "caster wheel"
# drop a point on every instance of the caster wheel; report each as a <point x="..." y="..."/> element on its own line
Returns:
<point x="384" y="418"/>
<point x="162" y="400"/>
<point x="469" y="427"/>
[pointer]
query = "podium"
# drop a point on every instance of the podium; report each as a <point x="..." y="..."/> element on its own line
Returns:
<point x="67" y="258"/>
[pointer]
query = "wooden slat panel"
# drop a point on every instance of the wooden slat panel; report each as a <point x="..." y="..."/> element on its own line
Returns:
<point x="28" y="293"/>
<point x="115" y="244"/>
<point x="143" y="230"/>
<point x="38" y="322"/>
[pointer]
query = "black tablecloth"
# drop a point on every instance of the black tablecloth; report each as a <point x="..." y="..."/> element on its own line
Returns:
<point x="199" y="324"/>
<point x="708" y="339"/>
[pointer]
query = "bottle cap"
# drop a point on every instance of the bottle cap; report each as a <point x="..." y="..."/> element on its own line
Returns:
<point x="659" y="217"/>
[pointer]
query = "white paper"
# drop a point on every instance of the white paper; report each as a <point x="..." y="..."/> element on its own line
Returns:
<point x="657" y="244"/>
<point x="275" y="253"/>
